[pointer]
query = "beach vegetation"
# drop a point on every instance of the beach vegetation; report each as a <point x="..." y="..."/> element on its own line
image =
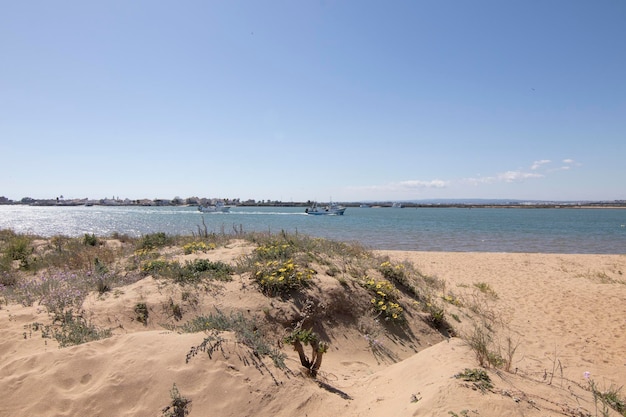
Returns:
<point x="452" y="299"/>
<point x="76" y="330"/>
<point x="281" y="265"/>
<point x="606" y="399"/>
<point x="462" y="413"/>
<point x="278" y="277"/>
<point x="172" y="309"/>
<point x="16" y="248"/>
<point x="300" y="338"/>
<point x="478" y="377"/>
<point x="482" y="344"/>
<point x="384" y="299"/>
<point x="247" y="331"/>
<point x="190" y="272"/>
<point x="72" y="330"/>
<point x="179" y="406"/>
<point x="198" y="246"/>
<point x="486" y="289"/>
<point x="141" y="313"/>
<point x="154" y="241"/>
<point x="90" y="239"/>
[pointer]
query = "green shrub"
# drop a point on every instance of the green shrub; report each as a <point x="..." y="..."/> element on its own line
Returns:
<point x="153" y="241"/>
<point x="300" y="338"/>
<point x="73" y="330"/>
<point x="90" y="240"/>
<point x="18" y="248"/>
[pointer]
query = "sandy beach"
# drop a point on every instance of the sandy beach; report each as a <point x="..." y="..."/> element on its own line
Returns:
<point x="562" y="315"/>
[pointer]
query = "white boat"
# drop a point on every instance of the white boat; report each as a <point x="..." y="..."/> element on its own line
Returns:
<point x="331" y="209"/>
<point x="219" y="207"/>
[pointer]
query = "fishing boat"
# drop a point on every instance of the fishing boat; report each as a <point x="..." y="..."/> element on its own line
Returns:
<point x="331" y="209"/>
<point x="219" y="207"/>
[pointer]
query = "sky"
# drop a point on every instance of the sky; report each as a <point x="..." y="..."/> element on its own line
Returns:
<point x="351" y="100"/>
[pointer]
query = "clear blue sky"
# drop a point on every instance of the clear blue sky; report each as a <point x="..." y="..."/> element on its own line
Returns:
<point x="311" y="100"/>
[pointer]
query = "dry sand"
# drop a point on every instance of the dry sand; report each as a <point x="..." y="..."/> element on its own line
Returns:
<point x="565" y="313"/>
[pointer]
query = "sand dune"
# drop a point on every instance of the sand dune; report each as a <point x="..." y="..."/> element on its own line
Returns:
<point x="566" y="313"/>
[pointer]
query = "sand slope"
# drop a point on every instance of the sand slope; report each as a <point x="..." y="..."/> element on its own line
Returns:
<point x="567" y="313"/>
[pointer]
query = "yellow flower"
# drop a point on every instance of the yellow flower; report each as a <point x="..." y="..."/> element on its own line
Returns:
<point x="383" y="307"/>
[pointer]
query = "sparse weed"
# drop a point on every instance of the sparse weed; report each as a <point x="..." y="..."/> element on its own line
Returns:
<point x="481" y="343"/>
<point x="179" y="407"/>
<point x="142" y="313"/>
<point x="247" y="332"/>
<point x="478" y="377"/>
<point x="486" y="289"/>
<point x="609" y="398"/>
<point x="71" y="331"/>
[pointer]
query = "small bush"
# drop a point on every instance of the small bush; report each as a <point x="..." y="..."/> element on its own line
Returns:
<point x="384" y="297"/>
<point x="478" y="377"/>
<point x="179" y="407"/>
<point x="141" y="313"/>
<point x="76" y="330"/>
<point x="153" y="241"/>
<point x="73" y="330"/>
<point x="219" y="270"/>
<point x="607" y="399"/>
<point x="90" y="240"/>
<point x="154" y="266"/>
<point x="246" y="331"/>
<point x="300" y="338"/>
<point x="192" y="272"/>
<point x="277" y="277"/>
<point x="18" y="248"/>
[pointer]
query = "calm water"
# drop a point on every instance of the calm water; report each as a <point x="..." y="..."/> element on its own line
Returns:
<point x="424" y="229"/>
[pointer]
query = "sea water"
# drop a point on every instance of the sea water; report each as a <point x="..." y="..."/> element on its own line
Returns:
<point x="562" y="230"/>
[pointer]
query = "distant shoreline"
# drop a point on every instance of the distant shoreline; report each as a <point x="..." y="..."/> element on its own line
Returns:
<point x="167" y="203"/>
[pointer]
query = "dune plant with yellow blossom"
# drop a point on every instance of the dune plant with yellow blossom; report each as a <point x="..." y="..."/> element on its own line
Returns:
<point x="274" y="250"/>
<point x="198" y="246"/>
<point x="384" y="299"/>
<point x="392" y="271"/>
<point x="277" y="277"/>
